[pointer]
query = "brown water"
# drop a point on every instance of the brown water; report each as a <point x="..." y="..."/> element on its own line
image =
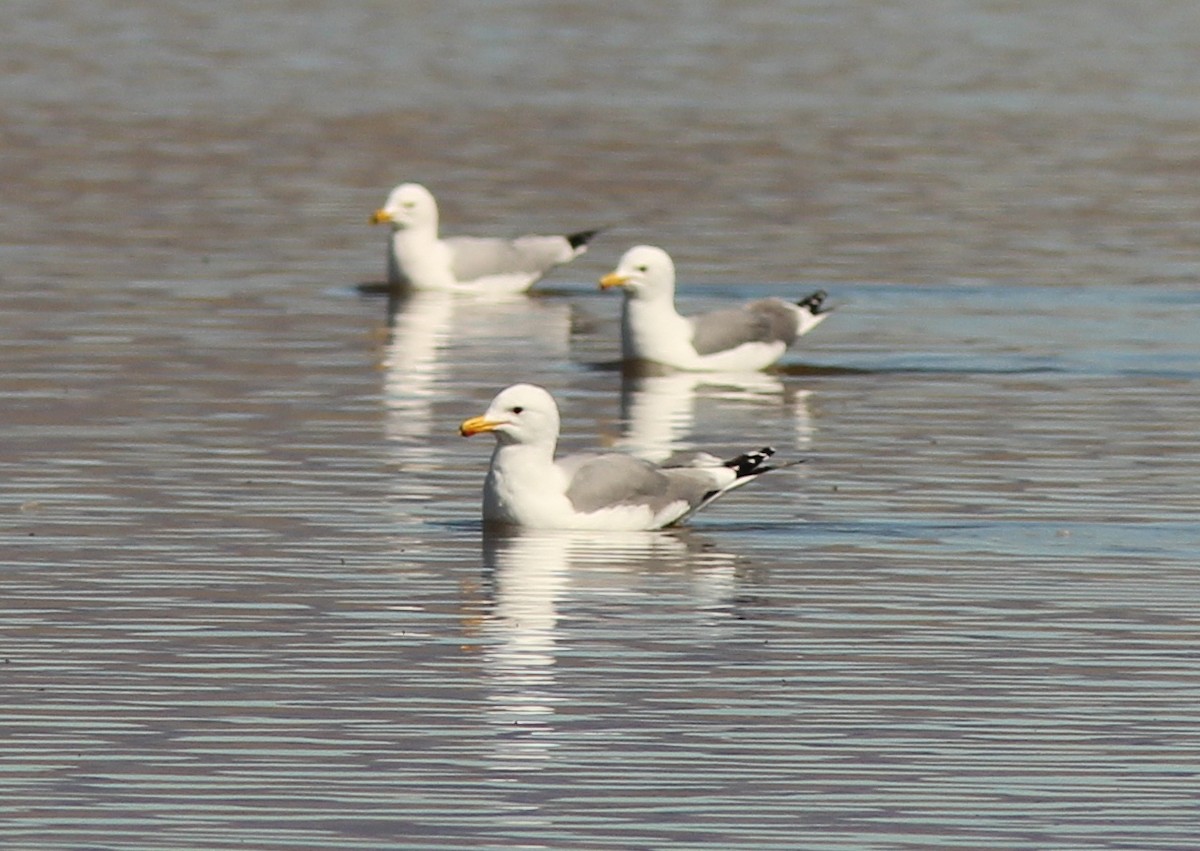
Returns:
<point x="246" y="602"/>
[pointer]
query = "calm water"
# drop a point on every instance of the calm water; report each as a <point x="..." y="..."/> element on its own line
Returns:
<point x="246" y="599"/>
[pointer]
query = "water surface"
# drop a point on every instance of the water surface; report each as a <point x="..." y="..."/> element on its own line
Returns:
<point x="247" y="601"/>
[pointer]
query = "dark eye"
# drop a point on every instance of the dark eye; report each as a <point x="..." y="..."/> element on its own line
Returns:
<point x="517" y="409"/>
<point x="641" y="268"/>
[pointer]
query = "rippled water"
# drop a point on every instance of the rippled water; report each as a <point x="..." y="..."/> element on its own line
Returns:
<point x="246" y="598"/>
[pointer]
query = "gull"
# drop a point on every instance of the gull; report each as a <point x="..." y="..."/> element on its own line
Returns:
<point x="527" y="487"/>
<point x="750" y="337"/>
<point x="418" y="259"/>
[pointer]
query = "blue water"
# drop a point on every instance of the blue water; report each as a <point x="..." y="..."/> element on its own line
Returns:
<point x="247" y="602"/>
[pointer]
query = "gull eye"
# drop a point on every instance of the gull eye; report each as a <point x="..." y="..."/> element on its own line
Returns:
<point x="408" y="205"/>
<point x="641" y="268"/>
<point x="517" y="409"/>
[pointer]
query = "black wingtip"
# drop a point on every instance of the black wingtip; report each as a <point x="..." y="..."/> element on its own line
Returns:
<point x="581" y="238"/>
<point x="750" y="462"/>
<point x="815" y="303"/>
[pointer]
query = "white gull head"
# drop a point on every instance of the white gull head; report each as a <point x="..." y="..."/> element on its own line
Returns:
<point x="645" y="272"/>
<point x="410" y="205"/>
<point x="522" y="413"/>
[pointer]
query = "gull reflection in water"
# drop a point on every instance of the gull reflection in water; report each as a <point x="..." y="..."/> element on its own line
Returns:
<point x="533" y="576"/>
<point x="659" y="407"/>
<point x="418" y="331"/>
<point x="432" y="334"/>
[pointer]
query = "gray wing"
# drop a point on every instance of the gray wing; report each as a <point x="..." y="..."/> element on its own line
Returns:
<point x="610" y="479"/>
<point x="769" y="320"/>
<point x="478" y="257"/>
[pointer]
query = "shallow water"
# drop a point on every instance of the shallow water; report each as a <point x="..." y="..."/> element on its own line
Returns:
<point x="247" y="601"/>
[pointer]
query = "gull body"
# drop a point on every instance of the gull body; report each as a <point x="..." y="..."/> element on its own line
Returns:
<point x="526" y="486"/>
<point x="750" y="337"/>
<point x="419" y="259"/>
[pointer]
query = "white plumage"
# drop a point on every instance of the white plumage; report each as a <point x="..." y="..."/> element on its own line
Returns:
<point x="527" y="487"/>
<point x="750" y="337"/>
<point x="419" y="259"/>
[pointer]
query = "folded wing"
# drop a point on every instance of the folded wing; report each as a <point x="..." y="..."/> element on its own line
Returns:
<point x="769" y="320"/>
<point x="612" y="480"/>
<point x="480" y="257"/>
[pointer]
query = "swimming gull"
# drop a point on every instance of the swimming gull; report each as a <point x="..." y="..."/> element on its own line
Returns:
<point x="420" y="260"/>
<point x="749" y="337"/>
<point x="527" y="487"/>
